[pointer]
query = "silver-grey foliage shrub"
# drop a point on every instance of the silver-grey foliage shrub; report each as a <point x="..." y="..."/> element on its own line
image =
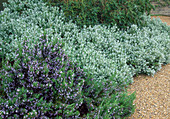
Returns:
<point x="104" y="51"/>
<point x="100" y="54"/>
<point x="147" y="48"/>
<point x="28" y="18"/>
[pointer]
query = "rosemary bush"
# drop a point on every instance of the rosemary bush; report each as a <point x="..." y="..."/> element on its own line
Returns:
<point x="92" y="12"/>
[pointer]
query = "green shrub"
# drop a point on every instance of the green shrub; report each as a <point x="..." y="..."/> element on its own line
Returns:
<point x="91" y="12"/>
<point x="160" y="3"/>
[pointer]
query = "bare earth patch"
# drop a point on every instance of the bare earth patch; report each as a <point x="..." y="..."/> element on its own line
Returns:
<point x="152" y="93"/>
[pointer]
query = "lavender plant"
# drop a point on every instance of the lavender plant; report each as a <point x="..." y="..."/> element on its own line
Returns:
<point x="41" y="82"/>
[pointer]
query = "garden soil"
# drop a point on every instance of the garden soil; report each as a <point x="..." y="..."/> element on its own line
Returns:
<point x="152" y="93"/>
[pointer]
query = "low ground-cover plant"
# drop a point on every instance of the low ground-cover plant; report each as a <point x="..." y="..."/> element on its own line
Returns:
<point x="104" y="50"/>
<point x="43" y="82"/>
<point x="148" y="48"/>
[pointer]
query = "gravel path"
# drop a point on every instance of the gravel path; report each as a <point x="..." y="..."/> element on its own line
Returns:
<point x="152" y="93"/>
